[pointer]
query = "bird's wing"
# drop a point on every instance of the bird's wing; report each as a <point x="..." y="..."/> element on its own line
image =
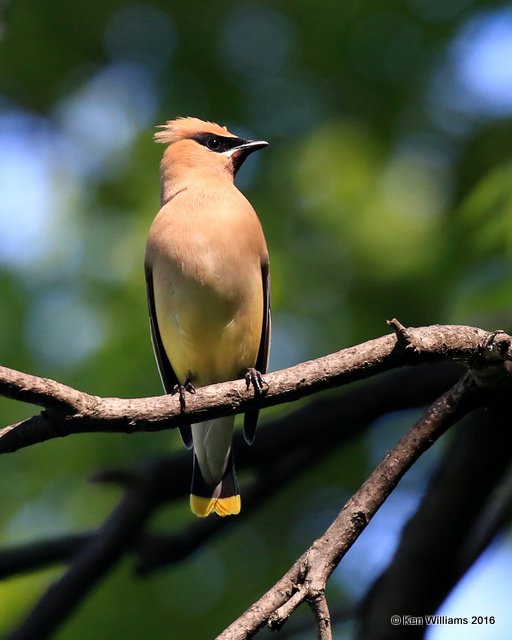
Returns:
<point x="167" y="375"/>
<point x="251" y="416"/>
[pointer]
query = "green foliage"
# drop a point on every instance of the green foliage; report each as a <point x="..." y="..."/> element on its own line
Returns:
<point x="379" y="198"/>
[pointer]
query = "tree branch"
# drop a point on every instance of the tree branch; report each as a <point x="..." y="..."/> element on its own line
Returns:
<point x="491" y="522"/>
<point x="435" y="549"/>
<point x="323" y="618"/>
<point x="168" y="479"/>
<point x="34" y="555"/>
<point x="307" y="578"/>
<point x="69" y="411"/>
<point x="355" y="409"/>
<point x="96" y="557"/>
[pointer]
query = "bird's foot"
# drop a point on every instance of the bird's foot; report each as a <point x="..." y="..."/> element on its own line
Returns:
<point x="181" y="389"/>
<point x="253" y="377"/>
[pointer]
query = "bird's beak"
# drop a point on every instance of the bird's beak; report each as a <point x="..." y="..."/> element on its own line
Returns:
<point x="246" y="147"/>
<point x="251" y="145"/>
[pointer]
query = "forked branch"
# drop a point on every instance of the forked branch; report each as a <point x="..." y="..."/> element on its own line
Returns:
<point x="69" y="411"/>
<point x="307" y="579"/>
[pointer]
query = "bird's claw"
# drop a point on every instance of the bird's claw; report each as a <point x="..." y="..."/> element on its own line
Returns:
<point x="253" y="377"/>
<point x="181" y="389"/>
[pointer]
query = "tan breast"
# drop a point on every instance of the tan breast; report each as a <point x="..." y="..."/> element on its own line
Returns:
<point x="206" y="251"/>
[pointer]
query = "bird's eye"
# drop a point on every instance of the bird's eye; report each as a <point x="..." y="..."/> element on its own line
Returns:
<point x="213" y="144"/>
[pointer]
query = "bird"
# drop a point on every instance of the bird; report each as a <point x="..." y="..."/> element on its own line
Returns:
<point x="208" y="289"/>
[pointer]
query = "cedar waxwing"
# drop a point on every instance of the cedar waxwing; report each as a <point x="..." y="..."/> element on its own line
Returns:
<point x="208" y="286"/>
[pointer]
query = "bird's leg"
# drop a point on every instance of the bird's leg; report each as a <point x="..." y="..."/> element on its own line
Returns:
<point x="181" y="389"/>
<point x="253" y="377"/>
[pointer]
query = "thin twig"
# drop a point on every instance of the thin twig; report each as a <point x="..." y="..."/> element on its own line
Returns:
<point x="320" y="610"/>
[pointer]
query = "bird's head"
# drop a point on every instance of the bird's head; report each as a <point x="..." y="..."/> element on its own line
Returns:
<point x="204" y="146"/>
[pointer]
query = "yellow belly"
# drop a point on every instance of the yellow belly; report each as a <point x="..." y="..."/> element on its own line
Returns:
<point x="208" y="337"/>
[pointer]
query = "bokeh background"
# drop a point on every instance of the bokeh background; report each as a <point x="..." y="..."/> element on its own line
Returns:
<point x="386" y="191"/>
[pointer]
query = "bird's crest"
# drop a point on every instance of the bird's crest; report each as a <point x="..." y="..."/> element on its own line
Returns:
<point x="183" y="128"/>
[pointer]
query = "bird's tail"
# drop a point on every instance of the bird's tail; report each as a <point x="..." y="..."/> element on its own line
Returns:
<point x="224" y="499"/>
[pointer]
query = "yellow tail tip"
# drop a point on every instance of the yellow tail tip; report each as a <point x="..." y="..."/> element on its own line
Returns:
<point x="202" y="507"/>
